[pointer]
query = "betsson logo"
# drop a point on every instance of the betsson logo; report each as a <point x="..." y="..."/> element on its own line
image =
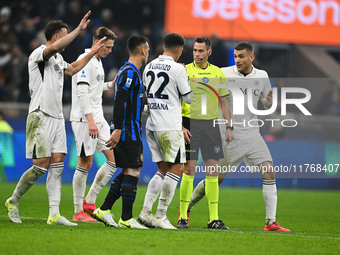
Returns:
<point x="285" y="11"/>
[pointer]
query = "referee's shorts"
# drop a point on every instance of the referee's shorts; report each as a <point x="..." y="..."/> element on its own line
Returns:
<point x="204" y="136"/>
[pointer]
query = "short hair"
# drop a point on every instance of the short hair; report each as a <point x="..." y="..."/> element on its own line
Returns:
<point x="245" y="46"/>
<point x="134" y="42"/>
<point x="53" y="27"/>
<point x="173" y="40"/>
<point x="102" y="32"/>
<point x="205" y="40"/>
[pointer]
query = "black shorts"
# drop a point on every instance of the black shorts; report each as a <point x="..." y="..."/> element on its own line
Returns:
<point x="129" y="154"/>
<point x="204" y="136"/>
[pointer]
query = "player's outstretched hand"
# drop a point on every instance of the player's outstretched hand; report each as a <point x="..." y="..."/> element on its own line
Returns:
<point x="229" y="136"/>
<point x="187" y="135"/>
<point x="85" y="21"/>
<point x="98" y="45"/>
<point x="114" y="139"/>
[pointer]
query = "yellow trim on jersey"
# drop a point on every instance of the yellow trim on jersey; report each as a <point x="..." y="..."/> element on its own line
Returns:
<point x="202" y="83"/>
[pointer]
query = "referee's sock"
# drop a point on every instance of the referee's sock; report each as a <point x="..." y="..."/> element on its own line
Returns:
<point x="270" y="200"/>
<point x="114" y="192"/>
<point x="212" y="193"/>
<point x="185" y="194"/>
<point x="129" y="191"/>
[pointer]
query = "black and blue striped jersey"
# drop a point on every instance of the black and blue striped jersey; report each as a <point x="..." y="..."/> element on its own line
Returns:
<point x="129" y="102"/>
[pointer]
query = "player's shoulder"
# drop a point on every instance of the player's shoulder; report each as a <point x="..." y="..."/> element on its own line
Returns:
<point x="37" y="51"/>
<point x="215" y="70"/>
<point x="260" y="73"/>
<point x="190" y="65"/>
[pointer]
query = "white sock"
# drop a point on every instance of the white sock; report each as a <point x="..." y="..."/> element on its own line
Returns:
<point x="103" y="176"/>
<point x="53" y="187"/>
<point x="79" y="186"/>
<point x="270" y="200"/>
<point x="152" y="192"/>
<point x="169" y="185"/>
<point x="25" y="183"/>
<point x="197" y="194"/>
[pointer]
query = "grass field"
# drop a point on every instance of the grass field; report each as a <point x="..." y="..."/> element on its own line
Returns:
<point x="313" y="217"/>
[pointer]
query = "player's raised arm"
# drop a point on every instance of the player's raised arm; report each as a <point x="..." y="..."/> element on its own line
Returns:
<point x="61" y="43"/>
<point x="75" y="67"/>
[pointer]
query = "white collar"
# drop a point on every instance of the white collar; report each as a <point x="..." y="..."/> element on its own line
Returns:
<point x="252" y="73"/>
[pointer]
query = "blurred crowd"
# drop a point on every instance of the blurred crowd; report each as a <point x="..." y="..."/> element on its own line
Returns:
<point x="22" y="25"/>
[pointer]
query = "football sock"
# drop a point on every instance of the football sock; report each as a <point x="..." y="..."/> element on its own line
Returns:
<point x="270" y="200"/>
<point x="25" y="183"/>
<point x="103" y="176"/>
<point x="212" y="193"/>
<point x="53" y="187"/>
<point x="152" y="192"/>
<point x="114" y="192"/>
<point x="129" y="190"/>
<point x="79" y="186"/>
<point x="169" y="185"/>
<point x="197" y="194"/>
<point x="185" y="193"/>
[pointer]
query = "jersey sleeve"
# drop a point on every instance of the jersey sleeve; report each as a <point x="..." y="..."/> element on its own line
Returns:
<point x="125" y="80"/>
<point x="84" y="75"/>
<point x="182" y="81"/>
<point x="37" y="55"/>
<point x="223" y="92"/>
<point x="267" y="85"/>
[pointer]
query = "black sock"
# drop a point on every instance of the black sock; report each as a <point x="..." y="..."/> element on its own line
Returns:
<point x="114" y="192"/>
<point x="129" y="190"/>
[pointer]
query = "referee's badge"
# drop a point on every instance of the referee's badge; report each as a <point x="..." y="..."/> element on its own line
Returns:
<point x="205" y="79"/>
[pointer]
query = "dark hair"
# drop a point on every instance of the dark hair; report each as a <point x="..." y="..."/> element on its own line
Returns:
<point x="205" y="40"/>
<point x="134" y="42"/>
<point x="102" y="32"/>
<point x="245" y="46"/>
<point x="173" y="40"/>
<point x="53" y="27"/>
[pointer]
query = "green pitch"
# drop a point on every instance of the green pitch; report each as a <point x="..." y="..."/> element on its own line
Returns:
<point x="313" y="217"/>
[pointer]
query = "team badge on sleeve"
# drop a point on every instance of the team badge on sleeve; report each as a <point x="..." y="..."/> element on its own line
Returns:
<point x="128" y="82"/>
<point x="83" y="75"/>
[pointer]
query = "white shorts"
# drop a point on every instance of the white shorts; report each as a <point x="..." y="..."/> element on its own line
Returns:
<point x="167" y="146"/>
<point x="44" y="135"/>
<point x="252" y="151"/>
<point x="86" y="145"/>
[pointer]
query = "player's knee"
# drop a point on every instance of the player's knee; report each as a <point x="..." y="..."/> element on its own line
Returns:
<point x="267" y="170"/>
<point x="85" y="161"/>
<point x="135" y="172"/>
<point x="42" y="162"/>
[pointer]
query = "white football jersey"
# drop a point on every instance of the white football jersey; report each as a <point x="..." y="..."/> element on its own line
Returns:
<point x="166" y="81"/>
<point x="46" y="82"/>
<point x="256" y="83"/>
<point x="92" y="75"/>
